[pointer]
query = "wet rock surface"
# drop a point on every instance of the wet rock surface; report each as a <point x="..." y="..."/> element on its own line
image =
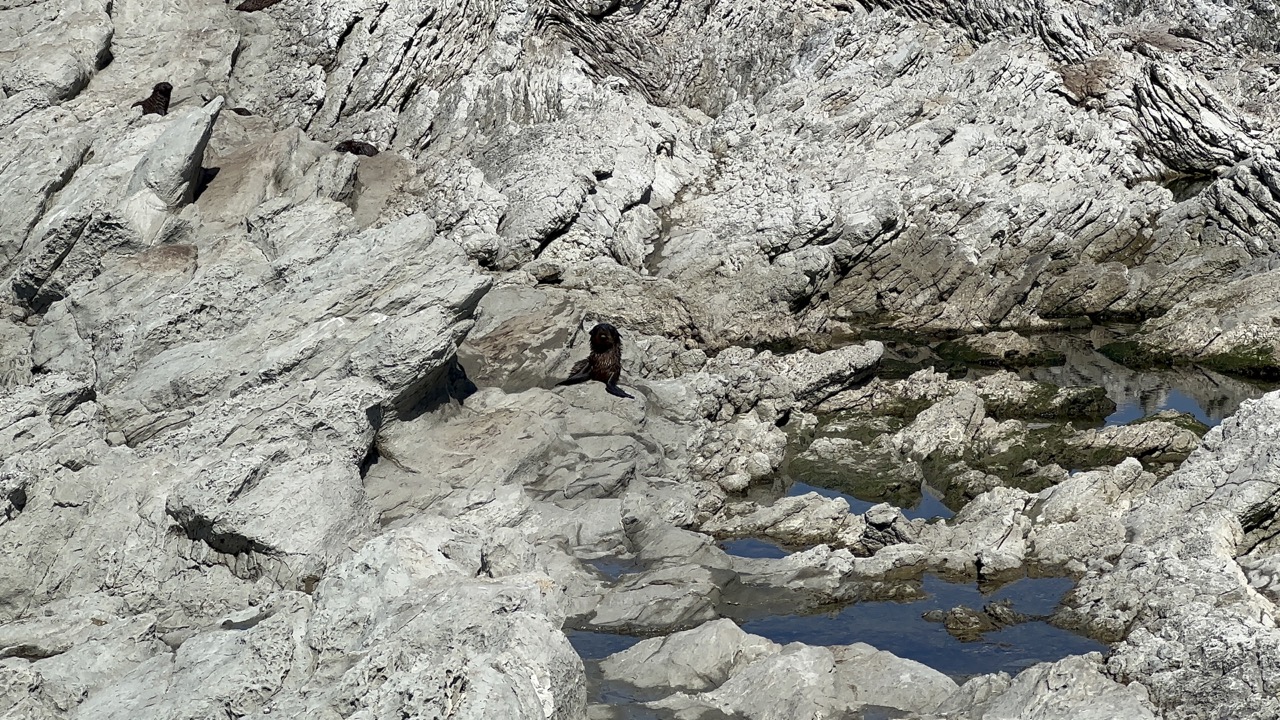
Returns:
<point x="279" y="429"/>
<point x="1234" y="326"/>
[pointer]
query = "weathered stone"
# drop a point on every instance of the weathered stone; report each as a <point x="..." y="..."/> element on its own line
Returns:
<point x="1070" y="688"/>
<point x="726" y="673"/>
<point x="1155" y="440"/>
<point x="944" y="430"/>
<point x="1176" y="594"/>
<point x="408" y="605"/>
<point x="694" y="660"/>
<point x="1085" y="511"/>
<point x="664" y="599"/>
<point x="1233" y="327"/>
<point x="231" y="406"/>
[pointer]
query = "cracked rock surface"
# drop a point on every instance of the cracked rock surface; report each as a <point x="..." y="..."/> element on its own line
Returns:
<point x="279" y="430"/>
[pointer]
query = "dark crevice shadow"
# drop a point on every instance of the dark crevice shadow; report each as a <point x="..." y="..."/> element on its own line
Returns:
<point x="206" y="176"/>
<point x="435" y="391"/>
<point x="375" y="416"/>
<point x="371" y="458"/>
<point x="554" y="235"/>
<point x="1186" y="187"/>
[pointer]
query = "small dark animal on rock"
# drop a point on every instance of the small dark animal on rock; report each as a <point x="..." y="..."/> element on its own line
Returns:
<point x="255" y="5"/>
<point x="158" y="101"/>
<point x="356" y="147"/>
<point x="604" y="363"/>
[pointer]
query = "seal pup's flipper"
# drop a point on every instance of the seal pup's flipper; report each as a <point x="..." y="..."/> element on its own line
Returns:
<point x="613" y="389"/>
<point x="581" y="372"/>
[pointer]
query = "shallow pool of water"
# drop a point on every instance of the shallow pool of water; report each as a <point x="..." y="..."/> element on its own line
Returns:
<point x="900" y="628"/>
<point x="1131" y="409"/>
<point x="897" y="627"/>
<point x="1209" y="396"/>
<point x="753" y="548"/>
<point x="598" y="645"/>
<point x="614" y="568"/>
<point x="928" y="507"/>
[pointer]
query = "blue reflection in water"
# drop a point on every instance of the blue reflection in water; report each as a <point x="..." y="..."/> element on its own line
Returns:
<point x="929" y="507"/>
<point x="1182" y="403"/>
<point x="1130" y="409"/>
<point x="753" y="548"/>
<point x="614" y="568"/>
<point x="1125" y="413"/>
<point x="598" y="645"/>
<point x="900" y="629"/>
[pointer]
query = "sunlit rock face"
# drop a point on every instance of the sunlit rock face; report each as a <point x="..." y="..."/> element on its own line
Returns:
<point x="279" y="430"/>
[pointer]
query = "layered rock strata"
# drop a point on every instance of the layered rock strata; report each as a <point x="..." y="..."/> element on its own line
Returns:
<point x="276" y="432"/>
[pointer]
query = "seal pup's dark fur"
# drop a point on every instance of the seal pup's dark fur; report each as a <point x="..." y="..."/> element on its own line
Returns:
<point x="604" y="363"/>
<point x="356" y="147"/>
<point x="158" y="101"/>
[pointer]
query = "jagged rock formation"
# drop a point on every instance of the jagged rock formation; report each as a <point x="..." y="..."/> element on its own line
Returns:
<point x="1176" y="593"/>
<point x="274" y="433"/>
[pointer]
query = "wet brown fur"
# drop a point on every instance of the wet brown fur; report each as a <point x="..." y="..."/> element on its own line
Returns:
<point x="604" y="364"/>
<point x="158" y="101"/>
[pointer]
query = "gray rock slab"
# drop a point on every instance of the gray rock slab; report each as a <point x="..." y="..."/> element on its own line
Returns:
<point x="876" y="677"/>
<point x="397" y="606"/>
<point x="1071" y="688"/>
<point x="693" y="660"/>
<point x="667" y="598"/>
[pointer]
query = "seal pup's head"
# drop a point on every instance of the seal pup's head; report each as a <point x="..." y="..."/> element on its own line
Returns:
<point x="604" y="337"/>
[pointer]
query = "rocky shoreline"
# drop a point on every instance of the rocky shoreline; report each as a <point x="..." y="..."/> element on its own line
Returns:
<point x="279" y="430"/>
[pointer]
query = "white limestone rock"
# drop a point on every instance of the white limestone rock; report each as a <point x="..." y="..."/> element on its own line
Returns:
<point x="1074" y="687"/>
<point x="718" y="667"/>
<point x="204" y="398"/>
<point x="693" y="660"/>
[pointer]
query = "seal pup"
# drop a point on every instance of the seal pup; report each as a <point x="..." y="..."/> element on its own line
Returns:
<point x="158" y="101"/>
<point x="604" y="363"/>
<point x="356" y="147"/>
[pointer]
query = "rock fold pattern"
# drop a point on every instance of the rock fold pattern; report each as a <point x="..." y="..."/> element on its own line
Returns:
<point x="277" y="432"/>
